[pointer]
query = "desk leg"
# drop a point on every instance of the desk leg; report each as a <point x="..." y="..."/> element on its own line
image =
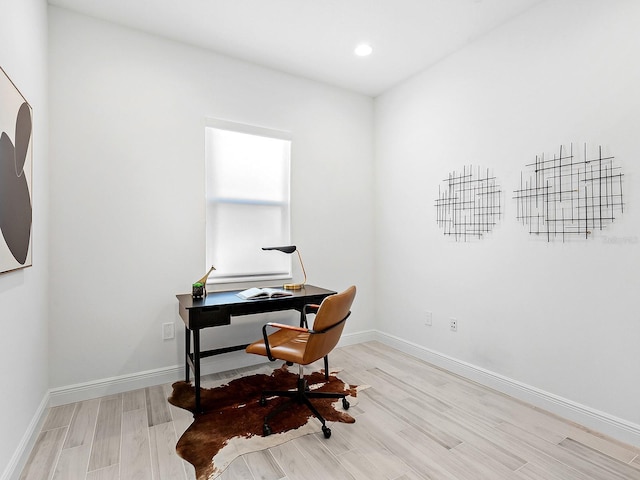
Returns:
<point x="196" y="366"/>
<point x="187" y="351"/>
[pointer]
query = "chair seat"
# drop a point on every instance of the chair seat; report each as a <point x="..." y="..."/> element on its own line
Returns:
<point x="285" y="345"/>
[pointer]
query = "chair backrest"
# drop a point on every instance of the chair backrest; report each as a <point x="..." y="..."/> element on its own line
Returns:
<point x="333" y="310"/>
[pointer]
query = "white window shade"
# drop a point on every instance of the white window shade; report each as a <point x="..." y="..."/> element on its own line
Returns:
<point x="248" y="185"/>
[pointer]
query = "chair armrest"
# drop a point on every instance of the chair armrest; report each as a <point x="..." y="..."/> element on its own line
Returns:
<point x="286" y="327"/>
<point x="281" y="326"/>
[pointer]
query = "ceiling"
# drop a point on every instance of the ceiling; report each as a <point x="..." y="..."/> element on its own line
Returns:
<point x="316" y="38"/>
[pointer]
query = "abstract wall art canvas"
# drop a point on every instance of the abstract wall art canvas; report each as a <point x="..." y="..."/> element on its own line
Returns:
<point x="15" y="177"/>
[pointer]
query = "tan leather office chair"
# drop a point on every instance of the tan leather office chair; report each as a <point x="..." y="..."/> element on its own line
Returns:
<point x="304" y="346"/>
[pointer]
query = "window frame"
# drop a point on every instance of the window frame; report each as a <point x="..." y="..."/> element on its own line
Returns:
<point x="257" y="276"/>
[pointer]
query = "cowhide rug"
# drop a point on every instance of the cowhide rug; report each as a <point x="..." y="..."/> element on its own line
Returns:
<point x="231" y="424"/>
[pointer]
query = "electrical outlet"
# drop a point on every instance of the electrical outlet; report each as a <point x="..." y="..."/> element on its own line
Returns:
<point x="168" y="331"/>
<point x="428" y="319"/>
<point x="453" y="324"/>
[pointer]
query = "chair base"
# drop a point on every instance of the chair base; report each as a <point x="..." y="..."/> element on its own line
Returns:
<point x="301" y="395"/>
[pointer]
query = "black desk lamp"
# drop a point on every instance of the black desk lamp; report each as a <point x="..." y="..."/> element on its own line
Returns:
<point x="290" y="249"/>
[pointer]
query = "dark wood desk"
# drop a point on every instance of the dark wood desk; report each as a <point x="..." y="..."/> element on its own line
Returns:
<point x="217" y="308"/>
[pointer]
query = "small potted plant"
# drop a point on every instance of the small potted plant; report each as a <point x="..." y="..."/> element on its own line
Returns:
<point x="197" y="290"/>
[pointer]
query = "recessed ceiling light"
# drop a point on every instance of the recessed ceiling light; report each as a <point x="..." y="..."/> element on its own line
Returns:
<point x="363" y="50"/>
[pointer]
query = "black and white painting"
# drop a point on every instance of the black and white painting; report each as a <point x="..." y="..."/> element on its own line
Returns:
<point x="15" y="177"/>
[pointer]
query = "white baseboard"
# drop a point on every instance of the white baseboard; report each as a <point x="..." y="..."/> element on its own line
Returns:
<point x="21" y="455"/>
<point x="358" y="337"/>
<point x="602" y="422"/>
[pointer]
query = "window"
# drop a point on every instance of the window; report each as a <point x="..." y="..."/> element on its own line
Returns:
<point x="247" y="192"/>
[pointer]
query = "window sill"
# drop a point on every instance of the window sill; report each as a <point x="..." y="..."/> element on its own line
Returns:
<point x="240" y="283"/>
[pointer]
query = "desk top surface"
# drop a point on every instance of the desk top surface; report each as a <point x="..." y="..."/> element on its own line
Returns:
<point x="230" y="298"/>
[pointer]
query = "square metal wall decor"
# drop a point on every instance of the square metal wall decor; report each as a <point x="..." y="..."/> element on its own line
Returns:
<point x="15" y="176"/>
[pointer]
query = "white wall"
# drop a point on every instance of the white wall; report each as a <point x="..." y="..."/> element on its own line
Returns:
<point x="127" y="189"/>
<point x="561" y="318"/>
<point x="23" y="293"/>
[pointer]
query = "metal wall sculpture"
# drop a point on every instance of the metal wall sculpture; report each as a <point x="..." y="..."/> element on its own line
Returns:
<point x="469" y="205"/>
<point x="564" y="197"/>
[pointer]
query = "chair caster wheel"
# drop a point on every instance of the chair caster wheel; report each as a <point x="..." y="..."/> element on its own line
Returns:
<point x="345" y="404"/>
<point x="263" y="401"/>
<point x="266" y="430"/>
<point x="326" y="431"/>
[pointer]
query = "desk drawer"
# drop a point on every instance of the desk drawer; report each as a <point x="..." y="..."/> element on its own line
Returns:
<point x="209" y="317"/>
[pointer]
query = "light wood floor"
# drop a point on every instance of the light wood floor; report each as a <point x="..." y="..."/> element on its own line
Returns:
<point x="414" y="422"/>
